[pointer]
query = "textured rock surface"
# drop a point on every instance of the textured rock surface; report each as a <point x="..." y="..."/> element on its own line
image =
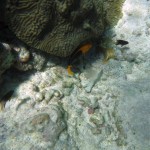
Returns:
<point x="59" y="27"/>
<point x="104" y="106"/>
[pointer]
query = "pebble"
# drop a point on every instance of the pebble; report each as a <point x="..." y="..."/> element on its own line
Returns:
<point x="48" y="95"/>
<point x="90" y="111"/>
<point x="67" y="84"/>
<point x="94" y="102"/>
<point x="96" y="131"/>
<point x="39" y="97"/>
<point x="84" y="100"/>
<point x="24" y="55"/>
<point x="67" y="91"/>
<point x="57" y="93"/>
<point x="97" y="120"/>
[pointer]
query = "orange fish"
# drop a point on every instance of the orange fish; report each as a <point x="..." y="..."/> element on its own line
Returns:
<point x="85" y="48"/>
<point x="70" y="72"/>
<point x="82" y="50"/>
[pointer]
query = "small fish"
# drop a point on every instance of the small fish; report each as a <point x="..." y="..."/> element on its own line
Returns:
<point x="72" y="69"/>
<point x="121" y="42"/>
<point x="82" y="50"/>
<point x="69" y="69"/>
<point x="85" y="48"/>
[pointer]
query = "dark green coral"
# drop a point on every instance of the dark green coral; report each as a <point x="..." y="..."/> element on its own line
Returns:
<point x="59" y="27"/>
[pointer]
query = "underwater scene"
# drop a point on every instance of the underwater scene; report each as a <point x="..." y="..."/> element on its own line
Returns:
<point x="74" y="75"/>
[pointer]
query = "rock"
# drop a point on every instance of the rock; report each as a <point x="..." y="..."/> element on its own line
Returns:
<point x="92" y="80"/>
<point x="118" y="101"/>
<point x="55" y="19"/>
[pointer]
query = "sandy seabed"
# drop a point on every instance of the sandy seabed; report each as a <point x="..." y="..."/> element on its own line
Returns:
<point x="105" y="107"/>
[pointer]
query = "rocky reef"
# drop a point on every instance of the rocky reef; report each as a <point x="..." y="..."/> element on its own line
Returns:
<point x="104" y="105"/>
<point x="59" y="27"/>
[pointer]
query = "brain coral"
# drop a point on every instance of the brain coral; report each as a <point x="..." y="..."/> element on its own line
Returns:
<point x="58" y="27"/>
